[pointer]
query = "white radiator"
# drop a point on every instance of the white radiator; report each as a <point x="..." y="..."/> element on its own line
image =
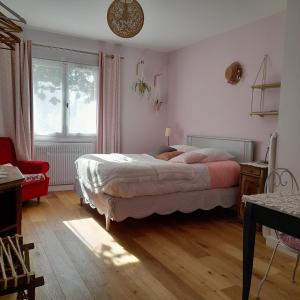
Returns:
<point x="61" y="158"/>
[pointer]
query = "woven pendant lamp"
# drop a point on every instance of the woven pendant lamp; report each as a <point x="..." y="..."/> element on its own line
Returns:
<point x="125" y="18"/>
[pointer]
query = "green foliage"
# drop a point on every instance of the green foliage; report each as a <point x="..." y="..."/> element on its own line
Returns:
<point x="141" y="87"/>
<point x="48" y="80"/>
<point x="82" y="82"/>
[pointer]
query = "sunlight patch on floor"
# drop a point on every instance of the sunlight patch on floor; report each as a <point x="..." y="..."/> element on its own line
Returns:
<point x="100" y="242"/>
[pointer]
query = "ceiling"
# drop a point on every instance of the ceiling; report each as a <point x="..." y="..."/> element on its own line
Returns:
<point x="169" y="24"/>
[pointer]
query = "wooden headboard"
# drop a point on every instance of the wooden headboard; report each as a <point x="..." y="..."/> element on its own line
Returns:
<point x="242" y="149"/>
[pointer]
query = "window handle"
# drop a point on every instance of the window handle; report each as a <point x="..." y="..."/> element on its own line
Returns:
<point x="67" y="105"/>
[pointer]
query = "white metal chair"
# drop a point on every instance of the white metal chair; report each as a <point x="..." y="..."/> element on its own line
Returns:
<point x="282" y="177"/>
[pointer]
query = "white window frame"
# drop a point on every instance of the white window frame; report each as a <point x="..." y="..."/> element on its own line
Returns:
<point x="65" y="136"/>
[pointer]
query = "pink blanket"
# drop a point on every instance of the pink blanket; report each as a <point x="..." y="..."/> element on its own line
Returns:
<point x="223" y="173"/>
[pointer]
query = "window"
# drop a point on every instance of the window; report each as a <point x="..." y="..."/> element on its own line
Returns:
<point x="64" y="99"/>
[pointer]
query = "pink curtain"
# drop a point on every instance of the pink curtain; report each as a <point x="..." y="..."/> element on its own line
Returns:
<point x="23" y="99"/>
<point x="17" y="97"/>
<point x="108" y="110"/>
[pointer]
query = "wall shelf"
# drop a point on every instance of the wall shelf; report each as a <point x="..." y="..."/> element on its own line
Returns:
<point x="267" y="86"/>
<point x="264" y="113"/>
<point x="262" y="86"/>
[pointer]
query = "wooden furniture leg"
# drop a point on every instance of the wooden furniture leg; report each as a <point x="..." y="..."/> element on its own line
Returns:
<point x="107" y="222"/>
<point x="31" y="290"/>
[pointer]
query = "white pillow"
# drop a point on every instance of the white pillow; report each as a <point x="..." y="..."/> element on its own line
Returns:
<point x="184" y="148"/>
<point x="190" y="157"/>
<point x="214" y="154"/>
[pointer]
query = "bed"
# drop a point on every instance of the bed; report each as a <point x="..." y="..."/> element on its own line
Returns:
<point x="168" y="194"/>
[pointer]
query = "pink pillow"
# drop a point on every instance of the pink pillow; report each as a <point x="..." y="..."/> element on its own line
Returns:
<point x="190" y="157"/>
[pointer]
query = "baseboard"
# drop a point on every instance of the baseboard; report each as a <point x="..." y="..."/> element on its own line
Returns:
<point x="59" y="188"/>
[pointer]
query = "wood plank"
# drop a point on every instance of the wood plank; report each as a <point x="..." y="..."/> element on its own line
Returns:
<point x="169" y="279"/>
<point x="193" y="273"/>
<point x="267" y="86"/>
<point x="193" y="256"/>
<point x="265" y="113"/>
<point x="63" y="267"/>
<point x="96" y="270"/>
<point x="40" y="263"/>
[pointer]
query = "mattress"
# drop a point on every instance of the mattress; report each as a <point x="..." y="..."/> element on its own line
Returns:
<point x="128" y="176"/>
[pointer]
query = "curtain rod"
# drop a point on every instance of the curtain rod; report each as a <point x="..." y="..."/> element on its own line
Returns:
<point x="72" y="50"/>
<point x="19" y="18"/>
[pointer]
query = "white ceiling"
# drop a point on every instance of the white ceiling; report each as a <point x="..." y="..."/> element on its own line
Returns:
<point x="169" y="24"/>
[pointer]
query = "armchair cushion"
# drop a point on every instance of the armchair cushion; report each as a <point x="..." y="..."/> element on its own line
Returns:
<point x="33" y="166"/>
<point x="30" y="178"/>
<point x="290" y="241"/>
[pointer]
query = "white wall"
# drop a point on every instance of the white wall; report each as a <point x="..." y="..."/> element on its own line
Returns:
<point x="289" y="111"/>
<point x="142" y="130"/>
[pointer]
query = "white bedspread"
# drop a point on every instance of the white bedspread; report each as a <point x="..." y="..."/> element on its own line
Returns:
<point x="134" y="175"/>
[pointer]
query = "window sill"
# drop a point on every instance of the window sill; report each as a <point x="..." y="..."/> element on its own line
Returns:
<point x="75" y="139"/>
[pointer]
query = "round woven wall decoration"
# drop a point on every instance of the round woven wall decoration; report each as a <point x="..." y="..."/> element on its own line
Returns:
<point x="125" y="18"/>
<point x="234" y="73"/>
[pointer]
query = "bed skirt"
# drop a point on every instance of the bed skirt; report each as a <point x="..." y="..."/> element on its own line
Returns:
<point x="119" y="209"/>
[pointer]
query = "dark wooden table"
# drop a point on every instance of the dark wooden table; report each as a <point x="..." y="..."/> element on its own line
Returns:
<point x="280" y="211"/>
<point x="10" y="202"/>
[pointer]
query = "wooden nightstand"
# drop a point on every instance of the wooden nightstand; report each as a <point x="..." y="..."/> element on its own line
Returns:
<point x="252" y="181"/>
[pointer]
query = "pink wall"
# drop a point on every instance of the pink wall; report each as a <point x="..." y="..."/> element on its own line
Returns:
<point x="289" y="122"/>
<point x="141" y="129"/>
<point x="200" y="99"/>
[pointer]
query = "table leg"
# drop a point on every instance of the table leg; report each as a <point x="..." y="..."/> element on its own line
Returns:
<point x="248" y="248"/>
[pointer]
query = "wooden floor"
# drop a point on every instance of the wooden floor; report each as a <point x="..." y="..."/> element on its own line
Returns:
<point x="182" y="256"/>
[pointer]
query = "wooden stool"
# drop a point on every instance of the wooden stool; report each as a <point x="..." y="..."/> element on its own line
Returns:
<point x="15" y="274"/>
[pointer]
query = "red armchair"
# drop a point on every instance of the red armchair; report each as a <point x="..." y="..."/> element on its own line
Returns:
<point x="36" y="182"/>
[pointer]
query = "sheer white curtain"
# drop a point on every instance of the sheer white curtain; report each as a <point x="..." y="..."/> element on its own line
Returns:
<point x="108" y="110"/>
<point x="16" y="97"/>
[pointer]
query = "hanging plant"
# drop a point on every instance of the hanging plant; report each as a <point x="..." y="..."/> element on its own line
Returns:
<point x="140" y="86"/>
<point x="157" y="102"/>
